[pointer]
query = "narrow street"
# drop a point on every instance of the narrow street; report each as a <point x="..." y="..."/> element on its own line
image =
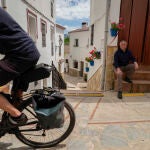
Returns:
<point x="103" y="124"/>
<point x="75" y="83"/>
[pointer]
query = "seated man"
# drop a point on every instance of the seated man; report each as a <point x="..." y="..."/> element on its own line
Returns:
<point x="21" y="55"/>
<point x="124" y="62"/>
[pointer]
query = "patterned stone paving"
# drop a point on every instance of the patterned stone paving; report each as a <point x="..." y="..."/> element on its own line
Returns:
<point x="103" y="124"/>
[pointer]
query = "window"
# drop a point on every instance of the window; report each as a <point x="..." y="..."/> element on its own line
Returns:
<point x="52" y="9"/>
<point x="43" y="30"/>
<point x="32" y="25"/>
<point x="75" y="64"/>
<point x="76" y="42"/>
<point x="59" y="50"/>
<point x="52" y="41"/>
<point x="92" y="34"/>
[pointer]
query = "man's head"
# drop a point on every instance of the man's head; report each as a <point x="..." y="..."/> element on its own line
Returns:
<point x="123" y="45"/>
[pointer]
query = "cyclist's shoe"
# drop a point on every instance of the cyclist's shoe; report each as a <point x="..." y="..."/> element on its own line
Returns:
<point x="18" y="121"/>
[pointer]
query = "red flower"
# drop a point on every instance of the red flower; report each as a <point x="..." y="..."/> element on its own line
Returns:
<point x="92" y="51"/>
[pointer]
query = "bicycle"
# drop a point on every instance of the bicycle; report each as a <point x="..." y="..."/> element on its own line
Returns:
<point x="32" y="134"/>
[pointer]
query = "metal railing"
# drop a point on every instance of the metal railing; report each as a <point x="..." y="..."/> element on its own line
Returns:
<point x="57" y="79"/>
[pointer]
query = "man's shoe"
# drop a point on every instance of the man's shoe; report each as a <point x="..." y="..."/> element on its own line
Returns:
<point x="128" y="80"/>
<point x="10" y="123"/>
<point x="120" y="95"/>
<point x="18" y="121"/>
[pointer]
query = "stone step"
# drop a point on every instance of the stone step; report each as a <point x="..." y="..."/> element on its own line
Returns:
<point x="144" y="68"/>
<point x="141" y="75"/>
<point x="138" y="86"/>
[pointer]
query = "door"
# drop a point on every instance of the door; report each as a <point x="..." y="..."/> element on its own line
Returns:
<point x="126" y="15"/>
<point x="146" y="55"/>
<point x="81" y="68"/>
<point x="137" y="28"/>
<point x="137" y="21"/>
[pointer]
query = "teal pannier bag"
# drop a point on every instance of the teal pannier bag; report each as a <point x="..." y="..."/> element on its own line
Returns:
<point x="49" y="110"/>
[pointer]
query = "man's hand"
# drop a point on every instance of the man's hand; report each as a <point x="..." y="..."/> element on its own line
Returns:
<point x="136" y="65"/>
<point x="119" y="71"/>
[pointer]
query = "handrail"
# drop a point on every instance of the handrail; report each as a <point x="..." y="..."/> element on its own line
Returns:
<point x="57" y="79"/>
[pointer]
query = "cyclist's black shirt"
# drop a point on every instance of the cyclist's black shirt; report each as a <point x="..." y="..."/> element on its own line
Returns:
<point x="14" y="41"/>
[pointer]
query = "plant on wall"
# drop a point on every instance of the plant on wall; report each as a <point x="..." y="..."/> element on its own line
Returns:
<point x="94" y="54"/>
<point x="89" y="59"/>
<point x="116" y="27"/>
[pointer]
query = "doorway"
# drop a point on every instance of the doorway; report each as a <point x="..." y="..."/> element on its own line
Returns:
<point x="136" y="15"/>
<point x="81" y="68"/>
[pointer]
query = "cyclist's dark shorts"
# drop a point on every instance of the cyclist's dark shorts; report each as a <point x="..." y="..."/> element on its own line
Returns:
<point x="10" y="69"/>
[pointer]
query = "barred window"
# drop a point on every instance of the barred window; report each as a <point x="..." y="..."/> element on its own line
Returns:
<point x="43" y="28"/>
<point x="32" y="25"/>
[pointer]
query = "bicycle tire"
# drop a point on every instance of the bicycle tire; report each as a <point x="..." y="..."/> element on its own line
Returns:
<point x="33" y="144"/>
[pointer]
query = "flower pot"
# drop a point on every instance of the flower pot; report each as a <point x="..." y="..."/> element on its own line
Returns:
<point x="92" y="63"/>
<point x="113" y="32"/>
<point x="87" y="69"/>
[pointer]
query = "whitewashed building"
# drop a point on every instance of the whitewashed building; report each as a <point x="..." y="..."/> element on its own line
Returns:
<point x="59" y="49"/>
<point x="79" y="49"/>
<point x="38" y="19"/>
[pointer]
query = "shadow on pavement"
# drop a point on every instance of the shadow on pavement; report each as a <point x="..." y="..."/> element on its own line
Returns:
<point x="5" y="146"/>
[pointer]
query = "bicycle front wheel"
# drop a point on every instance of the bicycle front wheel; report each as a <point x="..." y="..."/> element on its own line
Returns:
<point x="46" y="138"/>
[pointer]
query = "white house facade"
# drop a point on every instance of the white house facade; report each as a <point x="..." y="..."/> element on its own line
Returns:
<point x="37" y="18"/>
<point x="59" y="49"/>
<point x="79" y="49"/>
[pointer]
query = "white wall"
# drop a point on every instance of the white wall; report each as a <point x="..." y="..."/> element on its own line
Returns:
<point x="61" y="33"/>
<point x="18" y="10"/>
<point x="79" y="53"/>
<point x="44" y="6"/>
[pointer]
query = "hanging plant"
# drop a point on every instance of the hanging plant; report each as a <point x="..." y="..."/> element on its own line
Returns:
<point x="89" y="59"/>
<point x="116" y="27"/>
<point x="92" y="63"/>
<point x="95" y="54"/>
<point x="87" y="69"/>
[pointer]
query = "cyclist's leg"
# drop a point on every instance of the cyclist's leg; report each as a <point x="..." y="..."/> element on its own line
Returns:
<point x="19" y="86"/>
<point x="5" y="77"/>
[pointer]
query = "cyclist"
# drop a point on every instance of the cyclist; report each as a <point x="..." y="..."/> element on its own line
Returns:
<point x="21" y="55"/>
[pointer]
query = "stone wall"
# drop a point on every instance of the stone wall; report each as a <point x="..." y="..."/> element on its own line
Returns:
<point x="94" y="83"/>
<point x="109" y="68"/>
<point x="74" y="72"/>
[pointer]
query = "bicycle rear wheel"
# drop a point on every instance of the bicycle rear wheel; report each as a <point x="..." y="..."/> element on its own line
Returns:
<point x="47" y="138"/>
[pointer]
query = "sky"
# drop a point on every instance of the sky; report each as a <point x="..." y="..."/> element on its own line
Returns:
<point x="71" y="13"/>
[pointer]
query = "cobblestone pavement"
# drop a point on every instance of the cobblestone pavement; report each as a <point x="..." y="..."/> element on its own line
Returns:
<point x="103" y="124"/>
<point x="73" y="81"/>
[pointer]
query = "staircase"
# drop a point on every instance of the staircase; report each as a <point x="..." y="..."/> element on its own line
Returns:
<point x="141" y="81"/>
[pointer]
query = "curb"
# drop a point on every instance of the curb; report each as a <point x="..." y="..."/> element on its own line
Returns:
<point x="84" y="94"/>
<point x="133" y="94"/>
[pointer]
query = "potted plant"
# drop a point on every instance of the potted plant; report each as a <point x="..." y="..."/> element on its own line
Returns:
<point x="95" y="54"/>
<point x="87" y="69"/>
<point x="116" y="27"/>
<point x="90" y="60"/>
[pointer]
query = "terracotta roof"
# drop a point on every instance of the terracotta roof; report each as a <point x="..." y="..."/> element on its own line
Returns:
<point x="80" y="30"/>
<point x="60" y="26"/>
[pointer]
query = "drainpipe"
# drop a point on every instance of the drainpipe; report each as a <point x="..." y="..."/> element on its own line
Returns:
<point x="4" y="6"/>
<point x="108" y="5"/>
